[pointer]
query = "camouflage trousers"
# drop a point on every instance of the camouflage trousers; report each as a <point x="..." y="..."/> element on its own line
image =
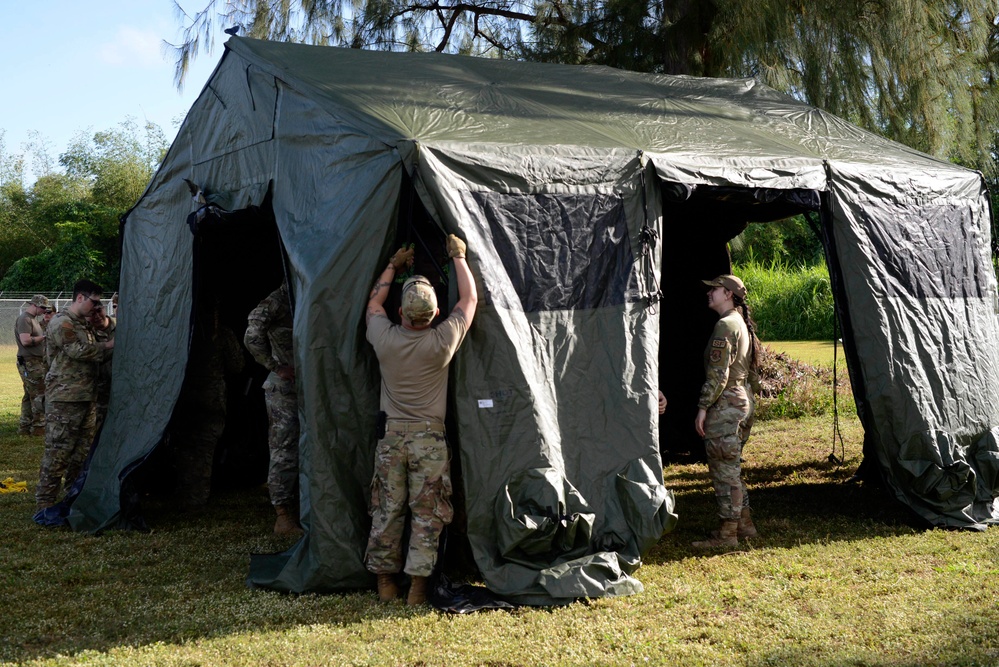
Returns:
<point x="282" y="440"/>
<point x="726" y="429"/>
<point x="32" y="371"/>
<point x="411" y="467"/>
<point x="69" y="430"/>
<point x="194" y="434"/>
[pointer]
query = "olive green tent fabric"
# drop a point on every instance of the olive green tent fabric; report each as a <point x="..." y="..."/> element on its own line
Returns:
<point x="552" y="173"/>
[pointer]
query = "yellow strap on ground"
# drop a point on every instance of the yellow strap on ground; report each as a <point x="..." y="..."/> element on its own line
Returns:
<point x="10" y="486"/>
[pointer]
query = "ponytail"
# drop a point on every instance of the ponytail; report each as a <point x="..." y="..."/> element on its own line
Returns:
<point x="754" y="341"/>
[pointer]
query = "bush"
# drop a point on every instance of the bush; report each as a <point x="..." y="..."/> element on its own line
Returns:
<point x="791" y="389"/>
<point x="789" y="303"/>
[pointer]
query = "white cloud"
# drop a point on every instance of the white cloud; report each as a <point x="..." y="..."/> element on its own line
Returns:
<point x="132" y="47"/>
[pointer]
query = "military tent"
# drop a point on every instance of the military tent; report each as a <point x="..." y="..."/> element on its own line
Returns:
<point x="584" y="194"/>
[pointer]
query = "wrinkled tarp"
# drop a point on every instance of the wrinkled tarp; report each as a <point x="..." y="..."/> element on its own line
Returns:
<point x="551" y="172"/>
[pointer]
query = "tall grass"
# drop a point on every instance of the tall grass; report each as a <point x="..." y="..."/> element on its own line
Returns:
<point x="789" y="303"/>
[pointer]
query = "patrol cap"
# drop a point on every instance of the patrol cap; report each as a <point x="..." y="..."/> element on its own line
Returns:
<point x="729" y="282"/>
<point x="40" y="300"/>
<point x="419" y="301"/>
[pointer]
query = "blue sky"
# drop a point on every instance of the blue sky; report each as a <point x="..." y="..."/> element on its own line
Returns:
<point x="87" y="65"/>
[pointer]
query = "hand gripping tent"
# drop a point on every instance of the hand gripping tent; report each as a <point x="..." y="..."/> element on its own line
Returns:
<point x="581" y="191"/>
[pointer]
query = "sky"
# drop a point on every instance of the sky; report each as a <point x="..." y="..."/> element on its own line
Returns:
<point x="72" y="66"/>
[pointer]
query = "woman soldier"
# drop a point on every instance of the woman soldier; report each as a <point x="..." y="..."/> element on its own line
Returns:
<point x="726" y="407"/>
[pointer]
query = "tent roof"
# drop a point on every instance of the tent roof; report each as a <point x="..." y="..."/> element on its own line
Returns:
<point x="439" y="99"/>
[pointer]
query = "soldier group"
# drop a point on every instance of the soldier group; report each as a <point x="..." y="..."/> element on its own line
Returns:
<point x="76" y="349"/>
<point x="411" y="458"/>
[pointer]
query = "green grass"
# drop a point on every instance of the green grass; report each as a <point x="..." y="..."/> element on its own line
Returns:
<point x="838" y="576"/>
<point x="813" y="352"/>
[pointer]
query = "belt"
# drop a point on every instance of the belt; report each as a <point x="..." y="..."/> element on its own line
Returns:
<point x="412" y="426"/>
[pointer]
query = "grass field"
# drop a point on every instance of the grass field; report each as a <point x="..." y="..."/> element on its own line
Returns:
<point x="839" y="576"/>
<point x="815" y="353"/>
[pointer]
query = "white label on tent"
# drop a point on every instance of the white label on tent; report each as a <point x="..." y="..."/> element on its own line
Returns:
<point x="485" y="402"/>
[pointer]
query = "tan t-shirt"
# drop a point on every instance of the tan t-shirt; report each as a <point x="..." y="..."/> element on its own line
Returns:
<point x="28" y="324"/>
<point x="414" y="365"/>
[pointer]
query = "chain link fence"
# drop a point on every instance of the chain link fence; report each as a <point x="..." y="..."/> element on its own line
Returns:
<point x="13" y="304"/>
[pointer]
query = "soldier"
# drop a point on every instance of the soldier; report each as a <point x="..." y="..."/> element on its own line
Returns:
<point x="70" y="392"/>
<point x="199" y="418"/>
<point x="31" y="366"/>
<point x="45" y="316"/>
<point x="411" y="457"/>
<point x="103" y="327"/>
<point x="725" y="408"/>
<point x="269" y="339"/>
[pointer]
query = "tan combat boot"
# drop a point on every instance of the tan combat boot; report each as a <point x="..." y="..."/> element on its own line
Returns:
<point x="286" y="524"/>
<point x="417" y="592"/>
<point x="727" y="537"/>
<point x="746" y="527"/>
<point x="387" y="589"/>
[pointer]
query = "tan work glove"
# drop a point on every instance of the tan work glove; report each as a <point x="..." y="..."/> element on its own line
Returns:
<point x="455" y="247"/>
<point x="402" y="258"/>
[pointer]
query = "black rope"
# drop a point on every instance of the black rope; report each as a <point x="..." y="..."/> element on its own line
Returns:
<point x="837" y="432"/>
<point x="648" y="238"/>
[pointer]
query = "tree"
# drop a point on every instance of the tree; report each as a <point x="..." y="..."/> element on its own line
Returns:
<point x="65" y="226"/>
<point x="922" y="72"/>
<point x="117" y="163"/>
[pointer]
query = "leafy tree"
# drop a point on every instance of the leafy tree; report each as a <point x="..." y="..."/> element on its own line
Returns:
<point x="65" y="226"/>
<point x="787" y="243"/>
<point x="56" y="268"/>
<point x="116" y="163"/>
<point x="922" y="72"/>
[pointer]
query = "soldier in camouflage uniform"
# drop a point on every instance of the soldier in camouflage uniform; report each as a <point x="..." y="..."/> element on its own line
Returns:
<point x="199" y="418"/>
<point x="103" y="327"/>
<point x="70" y="392"/>
<point x="411" y="458"/>
<point x="269" y="339"/>
<point x="726" y="406"/>
<point x="31" y="365"/>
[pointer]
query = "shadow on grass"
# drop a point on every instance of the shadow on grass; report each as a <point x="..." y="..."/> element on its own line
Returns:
<point x="794" y="504"/>
<point x="183" y="581"/>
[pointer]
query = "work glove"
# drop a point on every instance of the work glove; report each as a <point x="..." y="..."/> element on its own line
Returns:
<point x="402" y="258"/>
<point x="455" y="247"/>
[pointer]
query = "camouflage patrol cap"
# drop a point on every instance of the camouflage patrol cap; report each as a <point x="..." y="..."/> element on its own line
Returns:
<point x="40" y="300"/>
<point x="419" y="301"/>
<point x="729" y="282"/>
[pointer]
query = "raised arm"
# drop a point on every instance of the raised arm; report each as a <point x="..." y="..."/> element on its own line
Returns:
<point x="380" y="290"/>
<point x="468" y="298"/>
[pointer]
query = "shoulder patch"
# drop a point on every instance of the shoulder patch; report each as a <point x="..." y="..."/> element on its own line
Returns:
<point x="718" y="342"/>
<point x="68" y="331"/>
<point x="715" y="356"/>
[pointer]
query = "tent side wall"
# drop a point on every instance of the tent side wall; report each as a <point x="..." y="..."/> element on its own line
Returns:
<point x="336" y="197"/>
<point x="224" y="145"/>
<point x="914" y="255"/>
<point x="555" y="387"/>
